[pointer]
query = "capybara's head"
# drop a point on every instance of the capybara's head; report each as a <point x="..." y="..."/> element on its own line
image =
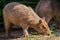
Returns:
<point x="42" y="27"/>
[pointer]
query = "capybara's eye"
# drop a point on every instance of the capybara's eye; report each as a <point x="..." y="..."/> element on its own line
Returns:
<point x="43" y="27"/>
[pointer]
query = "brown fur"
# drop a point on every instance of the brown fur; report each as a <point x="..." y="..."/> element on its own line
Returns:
<point x="49" y="9"/>
<point x="19" y="14"/>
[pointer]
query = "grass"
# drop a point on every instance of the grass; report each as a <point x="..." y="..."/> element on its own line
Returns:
<point x="58" y="38"/>
<point x="52" y="31"/>
<point x="30" y="38"/>
<point x="36" y="36"/>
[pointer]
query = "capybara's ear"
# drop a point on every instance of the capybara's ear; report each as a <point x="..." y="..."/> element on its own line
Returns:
<point x="40" y="21"/>
<point x="43" y="18"/>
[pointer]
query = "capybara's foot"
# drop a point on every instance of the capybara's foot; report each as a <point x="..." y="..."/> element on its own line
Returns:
<point x="26" y="35"/>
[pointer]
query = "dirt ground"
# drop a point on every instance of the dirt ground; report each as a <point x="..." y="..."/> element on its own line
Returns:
<point x="17" y="33"/>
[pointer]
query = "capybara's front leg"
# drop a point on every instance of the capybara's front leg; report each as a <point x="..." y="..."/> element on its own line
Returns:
<point x="25" y="30"/>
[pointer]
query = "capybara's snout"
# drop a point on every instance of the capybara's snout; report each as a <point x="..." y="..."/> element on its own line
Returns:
<point x="49" y="33"/>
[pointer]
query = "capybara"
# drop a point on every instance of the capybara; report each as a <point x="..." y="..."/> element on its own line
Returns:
<point x="19" y="14"/>
<point x="50" y="9"/>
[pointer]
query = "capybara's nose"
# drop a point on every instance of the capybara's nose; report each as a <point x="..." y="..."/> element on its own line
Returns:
<point x="49" y="34"/>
